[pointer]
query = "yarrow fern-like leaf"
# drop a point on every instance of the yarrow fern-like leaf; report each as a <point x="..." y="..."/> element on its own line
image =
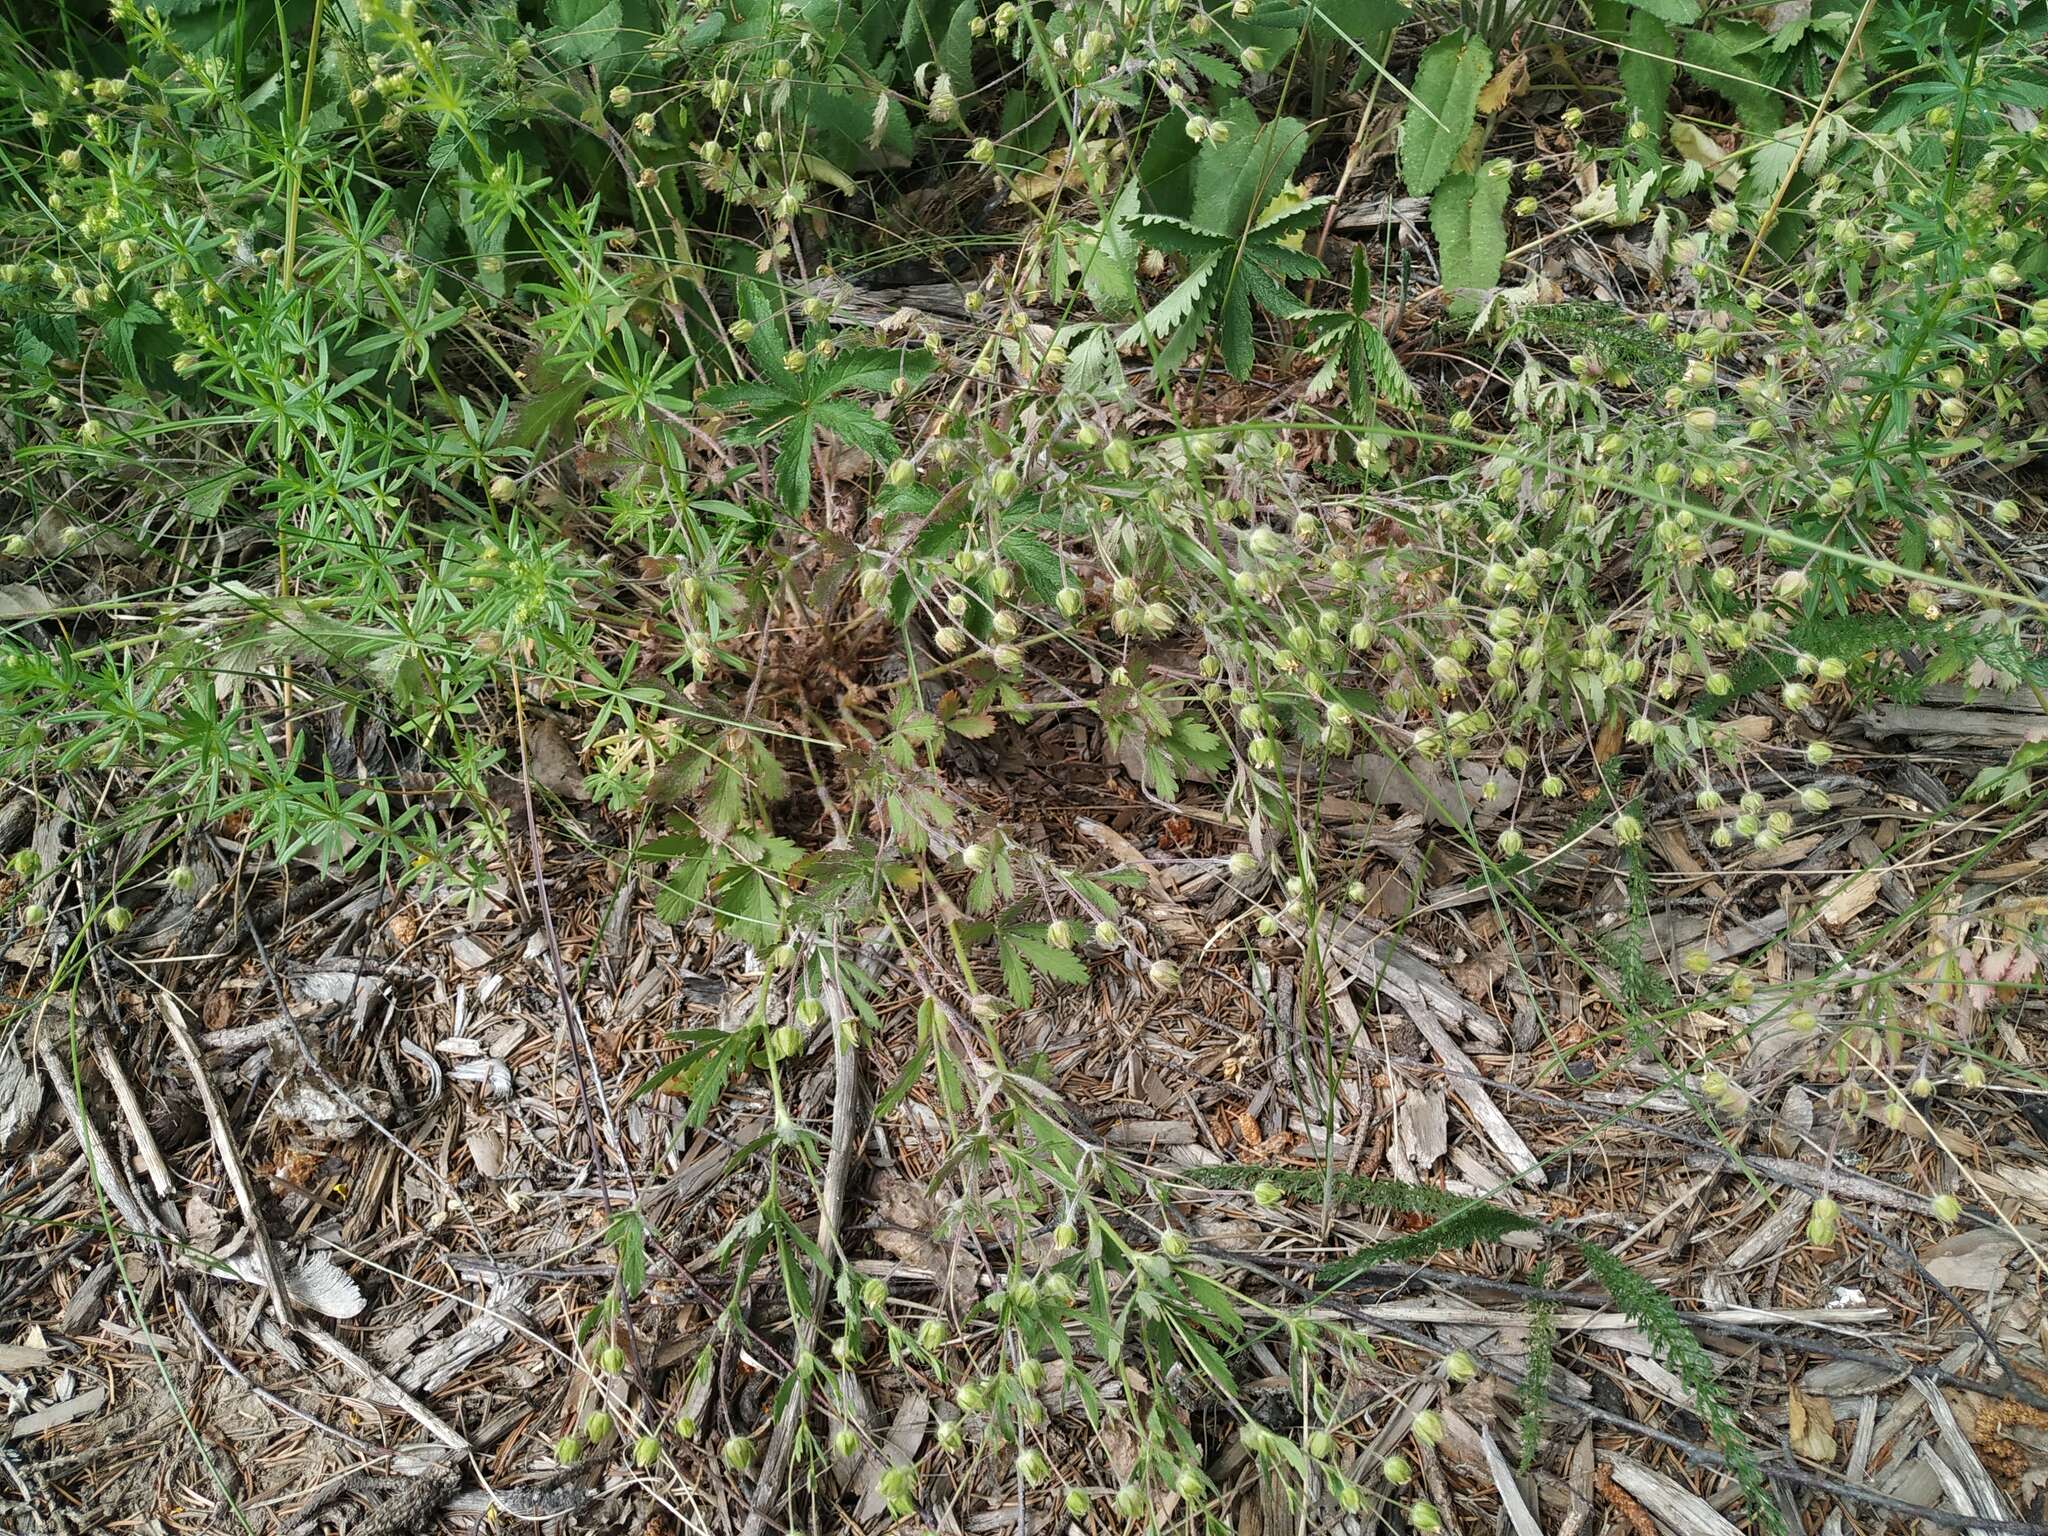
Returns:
<point x="1536" y="1378"/>
<point x="1465" y="1222"/>
<point x="1674" y="1345"/>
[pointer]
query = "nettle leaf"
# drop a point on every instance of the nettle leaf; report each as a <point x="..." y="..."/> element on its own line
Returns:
<point x="793" y="466"/>
<point x="956" y="53"/>
<point x="1466" y="217"/>
<point x="1453" y="71"/>
<point x="1647" y="67"/>
<point x="1717" y="63"/>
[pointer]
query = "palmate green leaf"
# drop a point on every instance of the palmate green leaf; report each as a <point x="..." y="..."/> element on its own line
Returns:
<point x="768" y="337"/>
<point x="1277" y="226"/>
<point x="1453" y="71"/>
<point x="1037" y="564"/>
<point x="1677" y="12"/>
<point x="1257" y="283"/>
<point x="764" y="406"/>
<point x="1466" y="217"/>
<point x="584" y="31"/>
<point x="870" y="368"/>
<point x="1235" y="179"/>
<point x="1016" y="975"/>
<point x="746" y="904"/>
<point x="1164" y="232"/>
<point x="1229" y="272"/>
<point x="1388" y="376"/>
<point x="1348" y="339"/>
<point x="1059" y="964"/>
<point x="855" y="427"/>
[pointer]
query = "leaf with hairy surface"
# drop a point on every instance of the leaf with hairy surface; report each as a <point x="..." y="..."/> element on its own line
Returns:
<point x="1453" y="71"/>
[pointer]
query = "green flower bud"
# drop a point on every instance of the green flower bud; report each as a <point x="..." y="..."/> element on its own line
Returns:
<point x="1423" y="1516"/>
<point x="738" y="1452"/>
<point x="897" y="1484"/>
<point x="1820" y="1222"/>
<point x="597" y="1426"/>
<point x="646" y="1451"/>
<point x="1397" y="1470"/>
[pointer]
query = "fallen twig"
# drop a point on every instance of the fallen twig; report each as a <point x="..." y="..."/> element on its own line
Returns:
<point x="230" y="1157"/>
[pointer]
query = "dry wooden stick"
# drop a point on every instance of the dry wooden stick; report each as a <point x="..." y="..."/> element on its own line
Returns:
<point x="384" y="1389"/>
<point x="230" y="1157"/>
<point x="105" y="1168"/>
<point x="131" y="1111"/>
<point x="1820" y="110"/>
